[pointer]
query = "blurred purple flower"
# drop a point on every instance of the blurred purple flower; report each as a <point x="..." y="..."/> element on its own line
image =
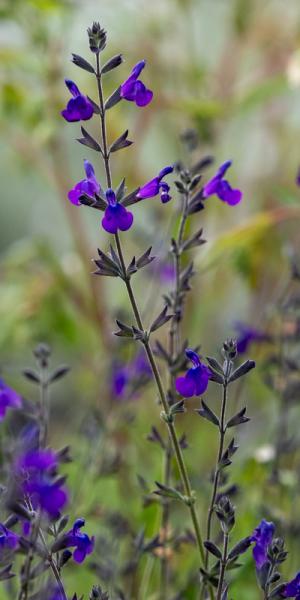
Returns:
<point x="156" y="186"/>
<point x="134" y="90"/>
<point x="120" y="379"/>
<point x="292" y="589"/>
<point x="9" y="541"/>
<point x="79" y="108"/>
<point x="38" y="469"/>
<point x="195" y="381"/>
<point x="246" y="335"/>
<point x="82" y="543"/>
<point x="125" y="375"/>
<point x="8" y="399"/>
<point x="221" y="187"/>
<point x="262" y="536"/>
<point x="298" y="177"/>
<point x="89" y="186"/>
<point x="116" y="216"/>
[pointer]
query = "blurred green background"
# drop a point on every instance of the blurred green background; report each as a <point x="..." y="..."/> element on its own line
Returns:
<point x="230" y="69"/>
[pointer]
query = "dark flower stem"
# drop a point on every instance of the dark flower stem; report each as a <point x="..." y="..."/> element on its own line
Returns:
<point x="190" y="500"/>
<point x="54" y="567"/>
<point x="174" y="341"/>
<point x="222" y="431"/>
<point x="44" y="408"/>
<point x="223" y="566"/>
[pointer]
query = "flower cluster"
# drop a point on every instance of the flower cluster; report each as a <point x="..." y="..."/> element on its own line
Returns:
<point x="37" y="470"/>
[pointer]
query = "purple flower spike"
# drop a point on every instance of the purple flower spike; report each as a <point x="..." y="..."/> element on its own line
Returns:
<point x="156" y="186"/>
<point x="292" y="589"/>
<point x="89" y="186"/>
<point x="8" y="399"/>
<point x="262" y="536"/>
<point x="83" y="544"/>
<point x="134" y="90"/>
<point x="79" y="108"/>
<point x="116" y="216"/>
<point x="9" y="541"/>
<point x="220" y="186"/>
<point x="298" y="177"/>
<point x="195" y="381"/>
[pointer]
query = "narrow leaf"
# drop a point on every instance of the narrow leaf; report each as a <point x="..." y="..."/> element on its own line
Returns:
<point x="242" y="370"/>
<point x="82" y="63"/>
<point x="208" y="414"/>
<point x="88" y="140"/>
<point x="112" y="63"/>
<point x="113" y="99"/>
<point x="121" y="142"/>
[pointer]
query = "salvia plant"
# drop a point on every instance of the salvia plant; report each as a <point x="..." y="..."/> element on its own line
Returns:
<point x="38" y="542"/>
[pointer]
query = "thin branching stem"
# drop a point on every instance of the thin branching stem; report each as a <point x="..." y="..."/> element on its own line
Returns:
<point x="190" y="500"/>
<point x="222" y="431"/>
<point x="223" y="566"/>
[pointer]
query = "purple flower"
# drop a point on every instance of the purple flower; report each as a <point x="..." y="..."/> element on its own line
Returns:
<point x="124" y="375"/>
<point x="220" y="186"/>
<point x="292" y="589"/>
<point x="89" y="186"/>
<point x="246" y="335"/>
<point x="262" y="536"/>
<point x="116" y="216"/>
<point x="134" y="90"/>
<point x="82" y="543"/>
<point x="298" y="177"/>
<point x="79" y="108"/>
<point x="8" y="399"/>
<point x="196" y="379"/>
<point x="9" y="541"/>
<point x="156" y="186"/>
<point x="120" y="379"/>
<point x="38" y="469"/>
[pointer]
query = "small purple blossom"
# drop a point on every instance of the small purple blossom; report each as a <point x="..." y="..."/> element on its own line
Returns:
<point x="246" y="335"/>
<point x="125" y="374"/>
<point x="8" y="399"/>
<point x="38" y="471"/>
<point x="79" y="108"/>
<point x="221" y="187"/>
<point x="262" y="536"/>
<point x="292" y="589"/>
<point x="156" y="186"/>
<point x="116" y="216"/>
<point x="9" y="541"/>
<point x="89" y="186"/>
<point x="195" y="381"/>
<point x="134" y="90"/>
<point x="298" y="177"/>
<point x="82" y="543"/>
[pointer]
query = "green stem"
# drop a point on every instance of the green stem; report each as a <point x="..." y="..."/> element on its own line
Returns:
<point x="223" y="567"/>
<point x="170" y="424"/>
<point x="217" y="469"/>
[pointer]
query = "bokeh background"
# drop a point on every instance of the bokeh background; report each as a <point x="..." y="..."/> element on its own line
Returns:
<point x="230" y="70"/>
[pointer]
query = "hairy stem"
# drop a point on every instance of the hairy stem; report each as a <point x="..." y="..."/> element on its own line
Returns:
<point x="190" y="500"/>
<point x="217" y="469"/>
<point x="223" y="567"/>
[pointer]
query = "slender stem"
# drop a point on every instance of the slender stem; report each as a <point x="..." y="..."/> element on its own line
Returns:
<point x="54" y="567"/>
<point x="217" y="469"/>
<point x="223" y="567"/>
<point x="163" y="398"/>
<point x="174" y="342"/>
<point x="44" y="408"/>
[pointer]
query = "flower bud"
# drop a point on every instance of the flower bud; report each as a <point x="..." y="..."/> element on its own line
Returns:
<point x="97" y="38"/>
